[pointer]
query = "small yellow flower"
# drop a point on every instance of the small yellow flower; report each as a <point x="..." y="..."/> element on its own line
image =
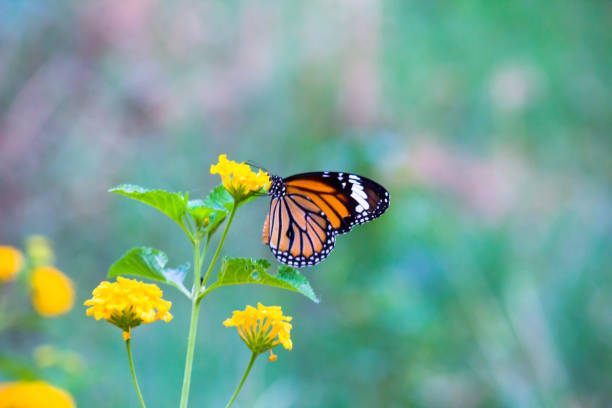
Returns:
<point x="262" y="328"/>
<point x="52" y="291"/>
<point x="128" y="303"/>
<point x="11" y="262"/>
<point x="238" y="179"/>
<point x="35" y="394"/>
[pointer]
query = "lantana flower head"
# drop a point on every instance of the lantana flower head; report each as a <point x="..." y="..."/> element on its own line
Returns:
<point x="33" y="394"/>
<point x="52" y="291"/>
<point x="262" y="328"/>
<point x="128" y="303"/>
<point x="238" y="178"/>
<point x="11" y="262"/>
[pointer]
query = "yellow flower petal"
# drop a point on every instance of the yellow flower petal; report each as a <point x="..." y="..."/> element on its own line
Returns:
<point x="128" y="303"/>
<point x="11" y="262"/>
<point x="52" y="291"/>
<point x="238" y="178"/>
<point x="262" y="328"/>
<point x="36" y="394"/>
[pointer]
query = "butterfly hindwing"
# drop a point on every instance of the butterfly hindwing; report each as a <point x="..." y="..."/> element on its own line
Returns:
<point x="297" y="231"/>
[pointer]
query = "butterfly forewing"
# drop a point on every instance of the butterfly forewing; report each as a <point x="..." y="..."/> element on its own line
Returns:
<point x="348" y="197"/>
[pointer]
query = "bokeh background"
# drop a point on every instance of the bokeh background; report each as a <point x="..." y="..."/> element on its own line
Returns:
<point x="486" y="284"/>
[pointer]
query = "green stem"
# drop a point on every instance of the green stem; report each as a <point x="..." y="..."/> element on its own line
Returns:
<point x="193" y="325"/>
<point x="214" y="260"/>
<point x="244" y="377"/>
<point x="189" y="235"/>
<point x="195" y="305"/>
<point x="129" y="352"/>
<point x="190" y="226"/>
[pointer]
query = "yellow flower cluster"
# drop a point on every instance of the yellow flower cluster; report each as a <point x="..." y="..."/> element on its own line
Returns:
<point x="262" y="328"/>
<point x="36" y="394"/>
<point x="11" y="262"/>
<point x="238" y="179"/>
<point x="52" y="291"/>
<point x="128" y="303"/>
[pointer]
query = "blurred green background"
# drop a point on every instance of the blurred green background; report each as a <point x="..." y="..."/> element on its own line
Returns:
<point x="486" y="284"/>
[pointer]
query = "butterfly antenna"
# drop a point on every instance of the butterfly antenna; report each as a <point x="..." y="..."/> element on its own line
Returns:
<point x="252" y="163"/>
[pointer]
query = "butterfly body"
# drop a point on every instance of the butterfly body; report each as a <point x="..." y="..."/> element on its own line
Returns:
<point x="308" y="210"/>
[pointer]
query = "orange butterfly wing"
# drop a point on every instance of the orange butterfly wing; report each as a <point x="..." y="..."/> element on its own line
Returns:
<point x="308" y="210"/>
<point x="297" y="231"/>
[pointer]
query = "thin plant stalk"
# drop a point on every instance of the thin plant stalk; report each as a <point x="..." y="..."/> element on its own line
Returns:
<point x="129" y="352"/>
<point x="214" y="260"/>
<point x="244" y="377"/>
<point x="193" y="324"/>
<point x="195" y="306"/>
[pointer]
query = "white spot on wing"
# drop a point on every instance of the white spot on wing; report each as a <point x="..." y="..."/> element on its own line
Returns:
<point x="359" y="195"/>
<point x="360" y="200"/>
<point x="360" y="192"/>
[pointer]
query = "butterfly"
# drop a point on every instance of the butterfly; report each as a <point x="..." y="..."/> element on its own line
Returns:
<point x="308" y="210"/>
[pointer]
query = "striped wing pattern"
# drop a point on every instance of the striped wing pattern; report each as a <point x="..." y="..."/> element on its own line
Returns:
<point x="308" y="210"/>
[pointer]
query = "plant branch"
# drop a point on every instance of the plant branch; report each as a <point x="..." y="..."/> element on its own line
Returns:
<point x="189" y="235"/>
<point x="193" y="325"/>
<point x="129" y="352"/>
<point x="195" y="303"/>
<point x="214" y="260"/>
<point x="181" y="288"/>
<point x="244" y="377"/>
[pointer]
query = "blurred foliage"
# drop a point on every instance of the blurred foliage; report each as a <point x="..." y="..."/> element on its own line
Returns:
<point x="485" y="284"/>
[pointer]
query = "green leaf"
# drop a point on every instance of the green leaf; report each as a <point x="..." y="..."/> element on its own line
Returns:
<point x="177" y="275"/>
<point x="215" y="221"/>
<point x="200" y="212"/>
<point x="18" y="368"/>
<point x="242" y="270"/>
<point x="174" y="205"/>
<point x="143" y="261"/>
<point x="220" y="199"/>
<point x="149" y="263"/>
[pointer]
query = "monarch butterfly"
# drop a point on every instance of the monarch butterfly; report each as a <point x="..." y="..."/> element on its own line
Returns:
<point x="308" y="210"/>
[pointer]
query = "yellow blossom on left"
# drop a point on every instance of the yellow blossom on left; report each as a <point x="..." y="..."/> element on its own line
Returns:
<point x="262" y="328"/>
<point x="238" y="178"/>
<point x="11" y="262"/>
<point x="34" y="394"/>
<point x="128" y="303"/>
<point x="52" y="291"/>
